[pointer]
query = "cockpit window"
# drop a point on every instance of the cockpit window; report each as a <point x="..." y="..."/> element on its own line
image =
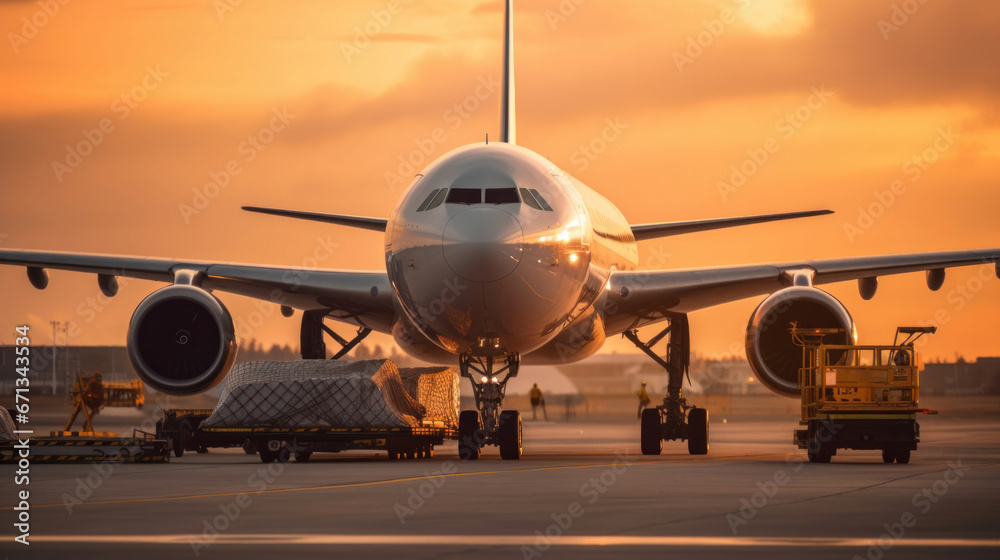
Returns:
<point x="502" y="196"/>
<point x="465" y="196"/>
<point x="538" y="197"/>
<point x="437" y="200"/>
<point x="427" y="201"/>
<point x="530" y="200"/>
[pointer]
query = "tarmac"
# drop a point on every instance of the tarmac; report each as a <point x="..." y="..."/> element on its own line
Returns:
<point x="582" y="490"/>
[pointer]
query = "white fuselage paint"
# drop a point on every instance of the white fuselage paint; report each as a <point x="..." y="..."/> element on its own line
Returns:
<point x="515" y="277"/>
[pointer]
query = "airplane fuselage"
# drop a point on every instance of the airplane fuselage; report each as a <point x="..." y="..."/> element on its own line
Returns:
<point x="493" y="249"/>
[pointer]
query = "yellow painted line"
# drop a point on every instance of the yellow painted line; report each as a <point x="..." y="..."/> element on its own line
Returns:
<point x="388" y="481"/>
<point x="509" y="540"/>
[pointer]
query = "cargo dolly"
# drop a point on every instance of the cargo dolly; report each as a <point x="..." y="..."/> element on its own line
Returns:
<point x="182" y="428"/>
<point x="859" y="397"/>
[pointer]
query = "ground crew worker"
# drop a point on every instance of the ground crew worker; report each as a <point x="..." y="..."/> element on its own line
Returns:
<point x="537" y="399"/>
<point x="643" y="399"/>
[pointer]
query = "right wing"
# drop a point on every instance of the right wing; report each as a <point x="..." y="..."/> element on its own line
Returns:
<point x="362" y="298"/>
<point x="637" y="298"/>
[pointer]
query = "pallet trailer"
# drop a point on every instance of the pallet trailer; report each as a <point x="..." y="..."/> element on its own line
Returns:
<point x="182" y="428"/>
<point x="84" y="447"/>
<point x="859" y="396"/>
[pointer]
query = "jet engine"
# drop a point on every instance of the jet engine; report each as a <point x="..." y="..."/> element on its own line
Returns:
<point x="181" y="340"/>
<point x="773" y="355"/>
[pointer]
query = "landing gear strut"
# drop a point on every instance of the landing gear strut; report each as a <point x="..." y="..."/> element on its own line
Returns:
<point x="311" y="337"/>
<point x="667" y="421"/>
<point x="489" y="424"/>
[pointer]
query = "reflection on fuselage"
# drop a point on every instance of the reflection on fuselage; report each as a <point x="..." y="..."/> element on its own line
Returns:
<point x="494" y="243"/>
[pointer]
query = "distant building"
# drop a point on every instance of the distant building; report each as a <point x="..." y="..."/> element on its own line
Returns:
<point x="111" y="361"/>
<point x="981" y="377"/>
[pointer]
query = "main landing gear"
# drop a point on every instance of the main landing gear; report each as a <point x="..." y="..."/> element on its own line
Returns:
<point x="311" y="337"/>
<point x="489" y="424"/>
<point x="667" y="421"/>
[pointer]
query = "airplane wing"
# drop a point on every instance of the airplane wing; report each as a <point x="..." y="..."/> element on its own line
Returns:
<point x="637" y="298"/>
<point x="361" y="298"/>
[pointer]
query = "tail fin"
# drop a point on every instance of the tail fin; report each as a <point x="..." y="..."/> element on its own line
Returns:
<point x="508" y="126"/>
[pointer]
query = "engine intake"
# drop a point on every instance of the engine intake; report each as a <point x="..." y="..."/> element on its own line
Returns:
<point x="774" y="357"/>
<point x="181" y="340"/>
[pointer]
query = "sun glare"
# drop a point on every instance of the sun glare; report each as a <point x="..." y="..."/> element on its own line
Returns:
<point x="776" y="17"/>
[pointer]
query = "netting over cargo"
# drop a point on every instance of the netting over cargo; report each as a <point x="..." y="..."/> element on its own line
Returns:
<point x="336" y="394"/>
<point x="6" y="425"/>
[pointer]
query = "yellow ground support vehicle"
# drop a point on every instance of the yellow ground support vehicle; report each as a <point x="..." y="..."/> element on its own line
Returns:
<point x="859" y="397"/>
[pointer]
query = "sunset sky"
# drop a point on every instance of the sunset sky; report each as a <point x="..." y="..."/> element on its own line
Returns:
<point x="858" y="96"/>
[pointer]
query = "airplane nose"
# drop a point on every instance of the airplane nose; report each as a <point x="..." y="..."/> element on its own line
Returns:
<point x="482" y="244"/>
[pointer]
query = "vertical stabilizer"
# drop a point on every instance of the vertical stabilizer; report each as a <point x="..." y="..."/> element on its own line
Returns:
<point x="508" y="128"/>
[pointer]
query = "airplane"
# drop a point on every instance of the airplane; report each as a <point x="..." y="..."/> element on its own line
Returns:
<point x="494" y="257"/>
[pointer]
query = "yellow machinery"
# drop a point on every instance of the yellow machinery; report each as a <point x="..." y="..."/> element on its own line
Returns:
<point x="91" y="393"/>
<point x="859" y="397"/>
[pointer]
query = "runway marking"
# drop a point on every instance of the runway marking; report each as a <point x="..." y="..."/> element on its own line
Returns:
<point x="510" y="540"/>
<point x="377" y="482"/>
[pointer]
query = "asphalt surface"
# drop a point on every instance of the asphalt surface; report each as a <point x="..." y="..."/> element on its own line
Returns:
<point x="582" y="490"/>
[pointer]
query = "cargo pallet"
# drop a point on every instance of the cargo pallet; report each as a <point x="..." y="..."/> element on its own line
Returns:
<point x="182" y="428"/>
<point x="859" y="397"/>
<point x="84" y="447"/>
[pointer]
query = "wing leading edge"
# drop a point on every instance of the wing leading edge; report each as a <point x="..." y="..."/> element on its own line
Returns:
<point x="637" y="298"/>
<point x="361" y="298"/>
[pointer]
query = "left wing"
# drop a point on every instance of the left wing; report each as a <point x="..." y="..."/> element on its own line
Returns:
<point x="637" y="298"/>
<point x="361" y="298"/>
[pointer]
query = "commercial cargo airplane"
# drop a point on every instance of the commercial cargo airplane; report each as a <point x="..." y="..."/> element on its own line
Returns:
<point x="495" y="256"/>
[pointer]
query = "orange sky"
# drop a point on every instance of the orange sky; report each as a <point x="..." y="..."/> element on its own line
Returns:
<point x="695" y="86"/>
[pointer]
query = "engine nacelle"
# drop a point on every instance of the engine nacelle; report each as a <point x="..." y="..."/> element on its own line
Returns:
<point x="774" y="357"/>
<point x="181" y="340"/>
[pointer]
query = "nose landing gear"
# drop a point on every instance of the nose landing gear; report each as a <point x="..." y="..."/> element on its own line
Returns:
<point x="489" y="424"/>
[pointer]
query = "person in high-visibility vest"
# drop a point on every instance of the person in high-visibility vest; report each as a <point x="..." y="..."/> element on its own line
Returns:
<point x="643" y="399"/>
<point x="537" y="399"/>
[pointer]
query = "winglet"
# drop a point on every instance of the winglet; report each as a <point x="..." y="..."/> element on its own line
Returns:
<point x="508" y="126"/>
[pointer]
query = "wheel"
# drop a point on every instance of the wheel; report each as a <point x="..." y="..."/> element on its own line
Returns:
<point x="887" y="455"/>
<point x="902" y="455"/>
<point x="469" y="425"/>
<point x="249" y="448"/>
<point x="283" y="455"/>
<point x="510" y="435"/>
<point x="698" y="431"/>
<point x="818" y="452"/>
<point x="266" y="455"/>
<point x="651" y="439"/>
<point x="302" y="456"/>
